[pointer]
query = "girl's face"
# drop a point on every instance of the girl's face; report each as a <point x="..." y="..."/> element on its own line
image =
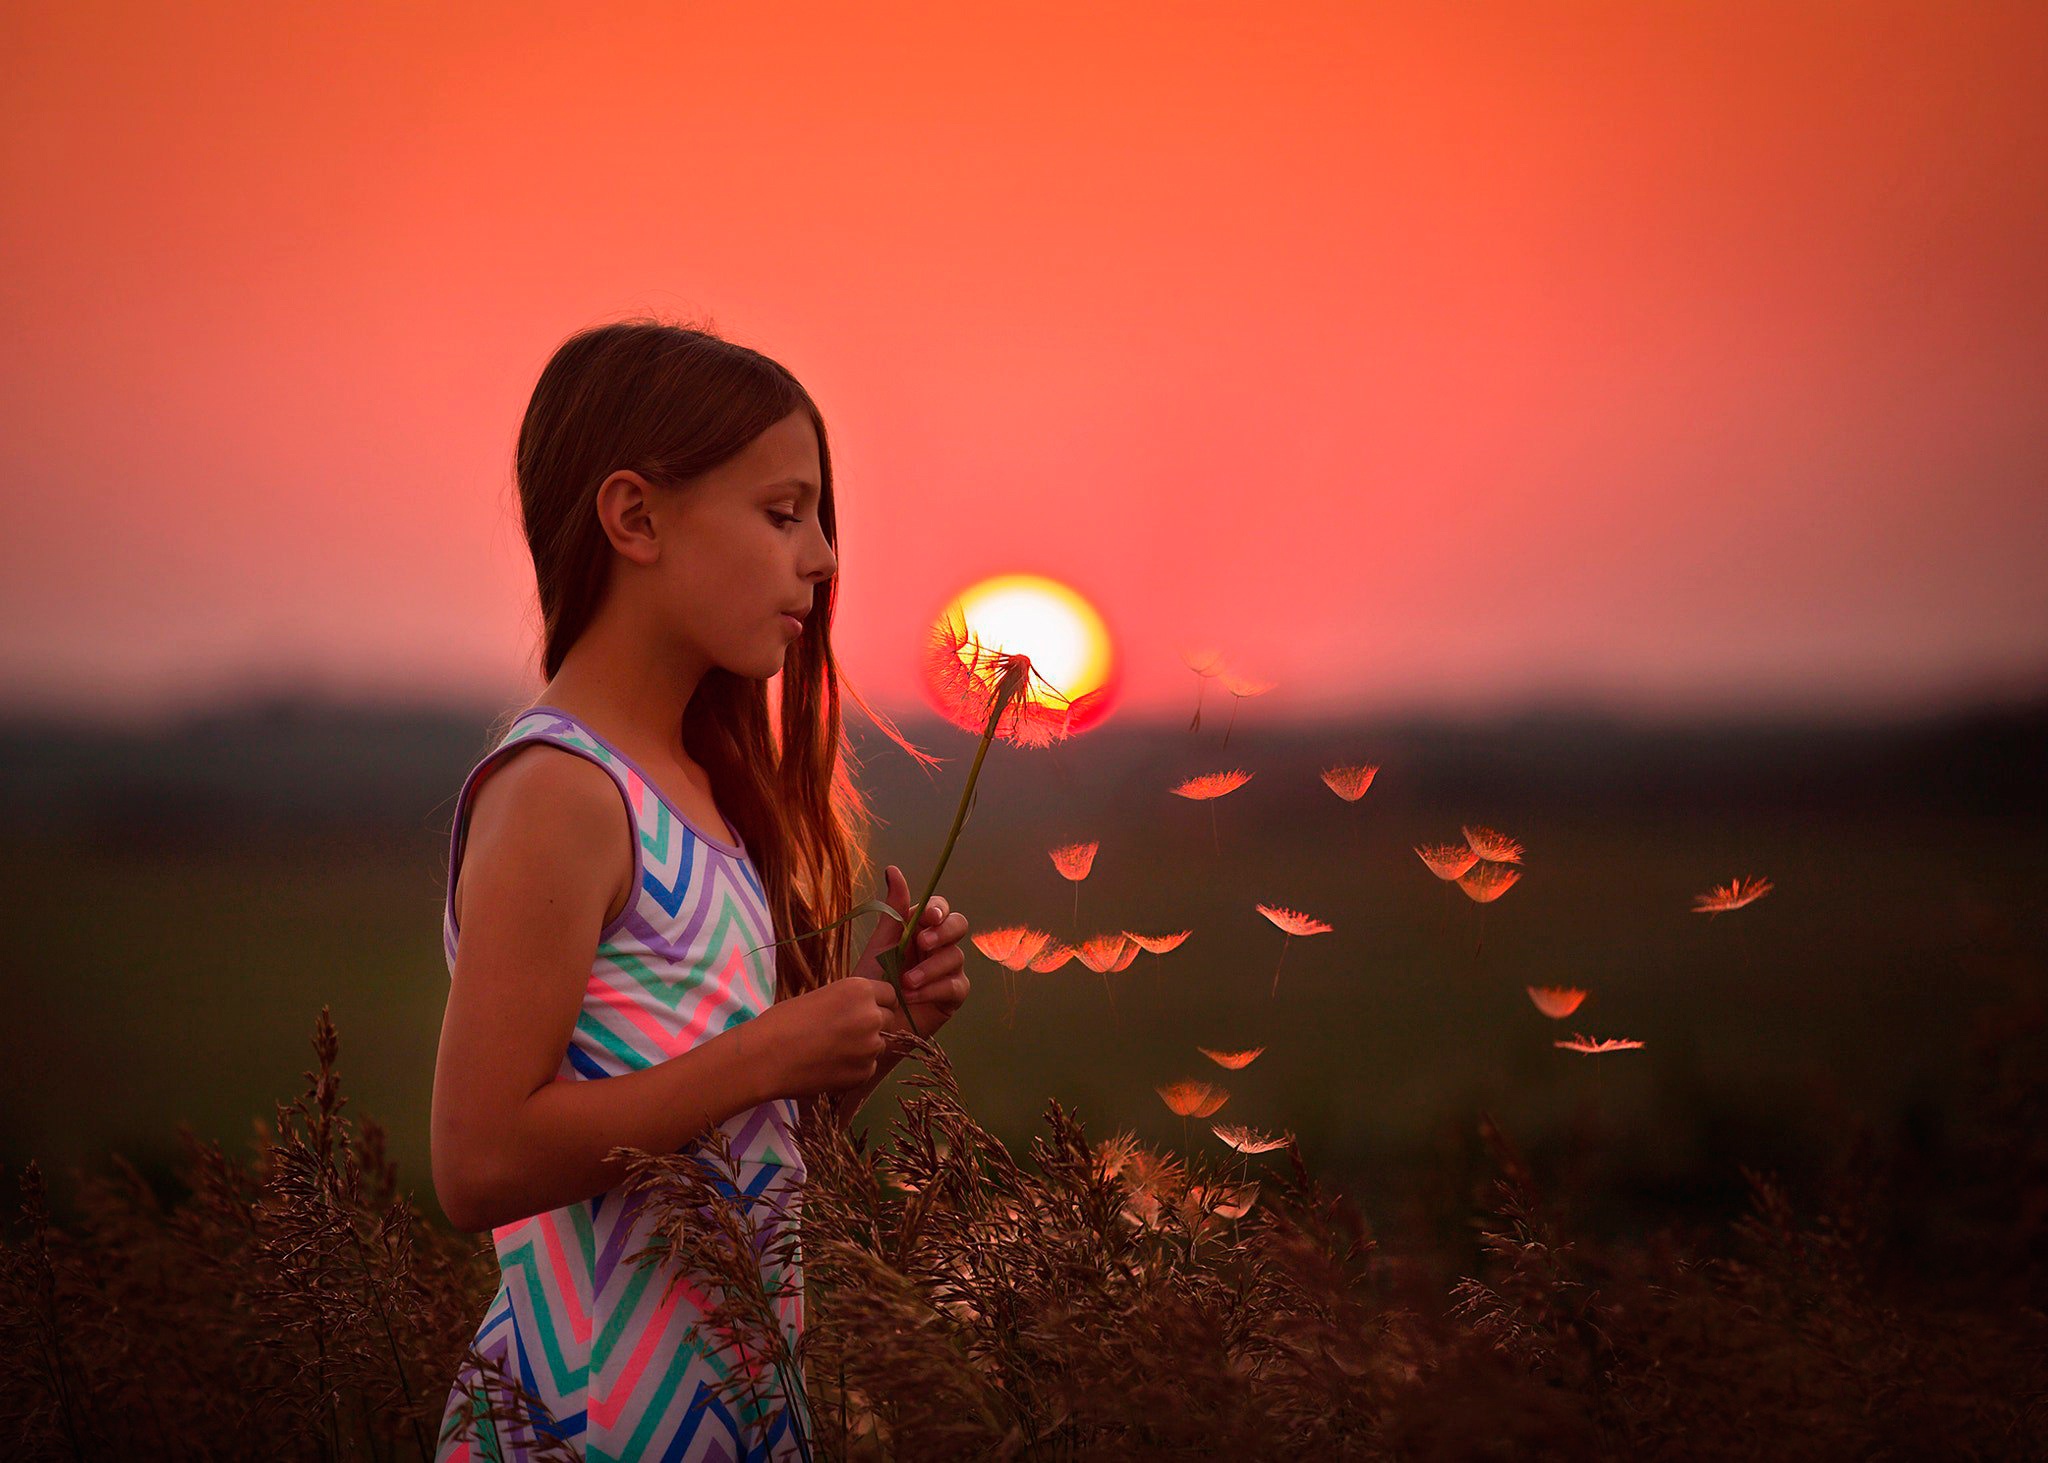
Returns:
<point x="741" y="549"/>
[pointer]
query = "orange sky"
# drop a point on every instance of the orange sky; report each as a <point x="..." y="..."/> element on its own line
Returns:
<point x="1413" y="354"/>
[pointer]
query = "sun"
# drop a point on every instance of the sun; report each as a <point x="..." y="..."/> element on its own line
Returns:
<point x="1065" y="637"/>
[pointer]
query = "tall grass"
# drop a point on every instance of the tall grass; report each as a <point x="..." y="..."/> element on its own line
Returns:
<point x="1093" y="1298"/>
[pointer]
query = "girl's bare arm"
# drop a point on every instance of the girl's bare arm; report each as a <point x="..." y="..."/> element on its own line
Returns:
<point x="541" y="870"/>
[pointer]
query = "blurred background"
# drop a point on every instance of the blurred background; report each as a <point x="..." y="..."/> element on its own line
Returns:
<point x="1620" y="424"/>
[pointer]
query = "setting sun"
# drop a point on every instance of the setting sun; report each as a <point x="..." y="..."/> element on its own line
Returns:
<point x="1066" y="639"/>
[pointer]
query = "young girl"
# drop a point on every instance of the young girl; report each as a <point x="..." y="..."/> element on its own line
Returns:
<point x="676" y="491"/>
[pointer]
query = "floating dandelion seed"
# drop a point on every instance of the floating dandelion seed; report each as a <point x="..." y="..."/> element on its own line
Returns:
<point x="1055" y="954"/>
<point x="1101" y="952"/>
<point x="1248" y="1141"/>
<point x="1496" y="848"/>
<point x="1587" y="1044"/>
<point x="1556" y="1001"/>
<point x="1205" y="661"/>
<point x="1231" y="1061"/>
<point x="1191" y="1099"/>
<point x="1113" y="1154"/>
<point x="1483" y="883"/>
<point x="1157" y="944"/>
<point x="1104" y="953"/>
<point x="1011" y="947"/>
<point x="1732" y="895"/>
<point x="1074" y="860"/>
<point x="1153" y="1181"/>
<point x="1447" y="860"/>
<point x="1207" y="788"/>
<point x="1350" y="783"/>
<point x="1239" y="688"/>
<point x="1293" y="922"/>
<point x="1228" y="1201"/>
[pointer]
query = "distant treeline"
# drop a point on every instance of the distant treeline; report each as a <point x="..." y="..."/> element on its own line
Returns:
<point x="285" y="763"/>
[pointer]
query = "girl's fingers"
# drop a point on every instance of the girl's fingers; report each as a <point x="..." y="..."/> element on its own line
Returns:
<point x="947" y="932"/>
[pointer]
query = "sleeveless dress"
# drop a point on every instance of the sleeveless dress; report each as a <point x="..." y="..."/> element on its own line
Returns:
<point x="609" y="1345"/>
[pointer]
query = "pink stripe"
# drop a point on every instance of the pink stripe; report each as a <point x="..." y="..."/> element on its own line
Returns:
<point x="707" y="1007"/>
<point x="504" y="1234"/>
<point x="605" y="1410"/>
<point x="565" y="1279"/>
<point x="603" y="993"/>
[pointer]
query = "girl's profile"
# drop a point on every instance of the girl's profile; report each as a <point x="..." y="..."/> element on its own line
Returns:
<point x="615" y="984"/>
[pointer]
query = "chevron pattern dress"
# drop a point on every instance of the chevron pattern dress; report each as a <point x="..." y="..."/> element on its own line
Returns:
<point x="610" y="1346"/>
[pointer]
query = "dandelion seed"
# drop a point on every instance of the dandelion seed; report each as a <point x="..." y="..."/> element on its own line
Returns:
<point x="968" y="679"/>
<point x="1100" y="953"/>
<point x="1248" y="1140"/>
<point x="1191" y="1099"/>
<point x="1350" y="783"/>
<point x="1011" y="945"/>
<point x="1123" y="961"/>
<point x="1231" y="1061"/>
<point x="1732" y="895"/>
<point x="1113" y="1154"/>
<point x="1205" y="661"/>
<point x="1484" y="882"/>
<point x="1447" y="860"/>
<point x="1554" y="1001"/>
<point x="1292" y="920"/>
<point x="1055" y="954"/>
<point x="1239" y="688"/>
<point x="1212" y="784"/>
<point x="1074" y="860"/>
<point x="1496" y="848"/>
<point x="1587" y="1044"/>
<point x="1157" y="944"/>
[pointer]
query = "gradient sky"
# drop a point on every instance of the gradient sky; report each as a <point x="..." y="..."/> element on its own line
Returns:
<point x="1414" y="354"/>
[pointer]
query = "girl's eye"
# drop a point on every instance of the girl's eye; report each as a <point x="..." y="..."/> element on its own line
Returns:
<point x="783" y="520"/>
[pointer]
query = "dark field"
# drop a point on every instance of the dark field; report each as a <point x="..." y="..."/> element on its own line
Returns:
<point x="179" y="905"/>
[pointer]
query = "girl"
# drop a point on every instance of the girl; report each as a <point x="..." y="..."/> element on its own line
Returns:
<point x="676" y="493"/>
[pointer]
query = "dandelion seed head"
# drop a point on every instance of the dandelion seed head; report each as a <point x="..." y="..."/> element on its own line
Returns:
<point x="1232" y="1061"/>
<point x="1556" y="1002"/>
<point x="1484" y="882"/>
<point x="1292" y="920"/>
<point x="1732" y="895"/>
<point x="1212" y="784"/>
<point x="1158" y="944"/>
<point x="1496" y="848"/>
<point x="1074" y="860"/>
<point x="1192" y="1099"/>
<point x="1447" y="860"/>
<point x="1250" y="1140"/>
<point x="1587" y="1044"/>
<point x="1350" y="783"/>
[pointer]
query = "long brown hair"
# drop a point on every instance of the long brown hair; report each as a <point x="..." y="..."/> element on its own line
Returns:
<point x="671" y="402"/>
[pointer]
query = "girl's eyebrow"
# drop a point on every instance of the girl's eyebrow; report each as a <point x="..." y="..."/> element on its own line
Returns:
<point x="804" y="483"/>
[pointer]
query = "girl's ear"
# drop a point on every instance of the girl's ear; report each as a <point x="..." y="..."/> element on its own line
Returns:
<point x="624" y="507"/>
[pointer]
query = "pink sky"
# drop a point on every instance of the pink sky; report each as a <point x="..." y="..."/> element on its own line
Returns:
<point x="1413" y="354"/>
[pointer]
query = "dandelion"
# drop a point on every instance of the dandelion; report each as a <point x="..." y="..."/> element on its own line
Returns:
<point x="1350" y="783"/>
<point x="1732" y="895"/>
<point x="997" y="693"/>
<point x="1012" y="947"/>
<point x="1157" y="944"/>
<point x="1447" y="861"/>
<point x="1104" y="953"/>
<point x="1055" y="954"/>
<point x="1496" y="848"/>
<point x="1205" y="661"/>
<point x="1293" y="922"/>
<point x="1248" y="1140"/>
<point x="1554" y="1001"/>
<point x="1231" y="1061"/>
<point x="1239" y="688"/>
<point x="1587" y="1044"/>
<point x="1484" y="883"/>
<point x="1074" y="861"/>
<point x="1192" y="1099"/>
<point x="1207" y="788"/>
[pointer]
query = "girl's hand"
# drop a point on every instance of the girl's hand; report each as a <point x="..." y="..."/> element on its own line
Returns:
<point x="934" y="976"/>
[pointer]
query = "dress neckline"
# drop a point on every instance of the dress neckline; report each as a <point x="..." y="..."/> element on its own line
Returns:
<point x="736" y="847"/>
